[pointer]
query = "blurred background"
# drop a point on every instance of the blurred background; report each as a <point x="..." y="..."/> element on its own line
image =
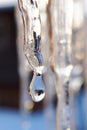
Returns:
<point x="17" y="110"/>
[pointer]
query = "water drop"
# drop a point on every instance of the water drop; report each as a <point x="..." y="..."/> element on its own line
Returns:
<point x="37" y="88"/>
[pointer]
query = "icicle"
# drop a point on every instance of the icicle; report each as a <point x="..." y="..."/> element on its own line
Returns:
<point x="32" y="35"/>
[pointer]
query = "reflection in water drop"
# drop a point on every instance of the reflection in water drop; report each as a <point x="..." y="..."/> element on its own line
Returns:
<point x="37" y="88"/>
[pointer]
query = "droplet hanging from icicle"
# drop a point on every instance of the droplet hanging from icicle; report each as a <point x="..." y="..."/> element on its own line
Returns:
<point x="37" y="88"/>
<point x="32" y="37"/>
